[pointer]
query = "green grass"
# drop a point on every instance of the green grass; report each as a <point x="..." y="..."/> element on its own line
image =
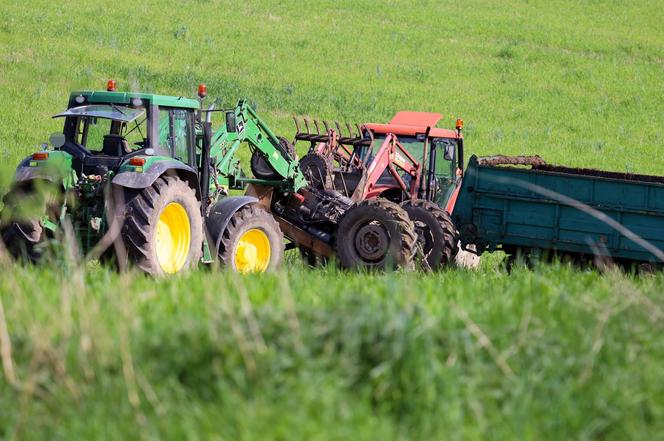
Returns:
<point x="549" y="354"/>
<point x="552" y="353"/>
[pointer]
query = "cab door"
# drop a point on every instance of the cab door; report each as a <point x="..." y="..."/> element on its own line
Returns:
<point x="442" y="170"/>
<point x="176" y="134"/>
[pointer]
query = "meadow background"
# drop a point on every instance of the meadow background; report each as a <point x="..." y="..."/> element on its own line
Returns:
<point x="551" y="353"/>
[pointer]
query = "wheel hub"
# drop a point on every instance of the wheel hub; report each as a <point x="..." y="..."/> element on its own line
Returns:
<point x="173" y="238"/>
<point x="253" y="251"/>
<point x="372" y="241"/>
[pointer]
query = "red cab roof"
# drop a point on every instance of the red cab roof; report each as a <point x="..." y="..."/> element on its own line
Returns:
<point x="421" y="119"/>
<point x="412" y="123"/>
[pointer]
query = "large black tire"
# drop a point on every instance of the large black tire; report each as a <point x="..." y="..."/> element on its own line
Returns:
<point x="168" y="202"/>
<point x="20" y="228"/>
<point x="437" y="238"/>
<point x="252" y="241"/>
<point x="376" y="234"/>
<point x="262" y="169"/>
<point x="318" y="170"/>
<point x="24" y="240"/>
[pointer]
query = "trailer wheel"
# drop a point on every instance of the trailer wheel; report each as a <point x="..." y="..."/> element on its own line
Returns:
<point x="262" y="169"/>
<point x="163" y="227"/>
<point x="376" y="234"/>
<point x="437" y="238"/>
<point x="317" y="169"/>
<point x="252" y="241"/>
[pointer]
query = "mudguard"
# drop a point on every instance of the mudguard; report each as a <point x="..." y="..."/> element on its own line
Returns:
<point x="145" y="179"/>
<point x="58" y="170"/>
<point x="28" y="173"/>
<point x="221" y="213"/>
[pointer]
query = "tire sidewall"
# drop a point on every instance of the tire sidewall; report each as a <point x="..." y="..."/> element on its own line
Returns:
<point x="420" y="214"/>
<point x="145" y="215"/>
<point x="192" y="208"/>
<point x="352" y="222"/>
<point x="276" y="242"/>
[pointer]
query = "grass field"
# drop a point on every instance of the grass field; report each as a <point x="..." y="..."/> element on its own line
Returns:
<point x="550" y="353"/>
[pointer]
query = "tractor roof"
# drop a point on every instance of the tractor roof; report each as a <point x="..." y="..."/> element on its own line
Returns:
<point x="127" y="97"/>
<point x="425" y="119"/>
<point x="413" y="123"/>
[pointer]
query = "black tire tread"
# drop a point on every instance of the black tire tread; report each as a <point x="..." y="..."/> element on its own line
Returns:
<point x="136" y="228"/>
<point x="408" y="237"/>
<point x="450" y="233"/>
<point x="328" y="165"/>
<point x="262" y="169"/>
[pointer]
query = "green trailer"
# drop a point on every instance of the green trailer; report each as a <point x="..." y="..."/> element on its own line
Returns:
<point x="524" y="205"/>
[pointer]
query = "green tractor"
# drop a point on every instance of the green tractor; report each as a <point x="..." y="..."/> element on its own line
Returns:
<point x="141" y="179"/>
<point x="126" y="173"/>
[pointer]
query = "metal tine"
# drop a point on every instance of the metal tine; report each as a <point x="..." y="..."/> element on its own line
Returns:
<point x="306" y="124"/>
<point x="327" y="127"/>
<point x="336" y="123"/>
<point x="297" y="125"/>
<point x="350" y="132"/>
<point x="317" y="128"/>
<point x="359" y="130"/>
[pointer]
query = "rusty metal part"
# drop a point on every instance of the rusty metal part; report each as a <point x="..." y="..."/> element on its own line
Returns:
<point x="534" y="161"/>
<point x="304" y="239"/>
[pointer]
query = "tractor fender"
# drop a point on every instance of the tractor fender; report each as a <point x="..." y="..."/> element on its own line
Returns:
<point x="24" y="172"/>
<point x="27" y="173"/>
<point x="145" y="179"/>
<point x="221" y="213"/>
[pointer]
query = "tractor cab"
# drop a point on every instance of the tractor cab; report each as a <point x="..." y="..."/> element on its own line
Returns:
<point x="438" y="151"/>
<point x="103" y="129"/>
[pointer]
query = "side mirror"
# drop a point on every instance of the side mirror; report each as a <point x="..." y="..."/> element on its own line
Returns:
<point x="57" y="140"/>
<point x="449" y="152"/>
<point x="231" y="123"/>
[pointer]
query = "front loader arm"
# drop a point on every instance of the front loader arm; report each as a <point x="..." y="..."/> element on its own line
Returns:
<point x="250" y="128"/>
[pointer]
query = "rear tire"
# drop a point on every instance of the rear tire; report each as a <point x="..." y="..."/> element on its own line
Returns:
<point x="437" y="238"/>
<point x="252" y="241"/>
<point x="23" y="239"/>
<point x="318" y="170"/>
<point x="262" y="169"/>
<point x="20" y="227"/>
<point x="376" y="234"/>
<point x="163" y="227"/>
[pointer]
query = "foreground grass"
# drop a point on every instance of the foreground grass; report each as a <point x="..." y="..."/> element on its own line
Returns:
<point x="554" y="353"/>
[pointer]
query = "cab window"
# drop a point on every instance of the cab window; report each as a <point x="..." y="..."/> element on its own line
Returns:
<point x="176" y="133"/>
<point x="445" y="157"/>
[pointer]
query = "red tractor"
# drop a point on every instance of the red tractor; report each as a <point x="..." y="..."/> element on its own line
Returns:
<point x="408" y="161"/>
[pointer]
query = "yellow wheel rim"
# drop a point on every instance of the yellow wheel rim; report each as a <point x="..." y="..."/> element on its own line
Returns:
<point x="252" y="253"/>
<point x="173" y="238"/>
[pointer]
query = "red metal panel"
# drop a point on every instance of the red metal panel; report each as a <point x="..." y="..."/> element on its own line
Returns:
<point x="411" y="130"/>
<point x="419" y="119"/>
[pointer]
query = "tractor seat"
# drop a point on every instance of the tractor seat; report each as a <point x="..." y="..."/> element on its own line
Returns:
<point x="115" y="145"/>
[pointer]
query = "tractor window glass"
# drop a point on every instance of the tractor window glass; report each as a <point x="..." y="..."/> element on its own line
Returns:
<point x="165" y="140"/>
<point x="92" y="131"/>
<point x="443" y="167"/>
<point x="413" y="145"/>
<point x="175" y="133"/>
<point x="136" y="133"/>
<point x="181" y="134"/>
